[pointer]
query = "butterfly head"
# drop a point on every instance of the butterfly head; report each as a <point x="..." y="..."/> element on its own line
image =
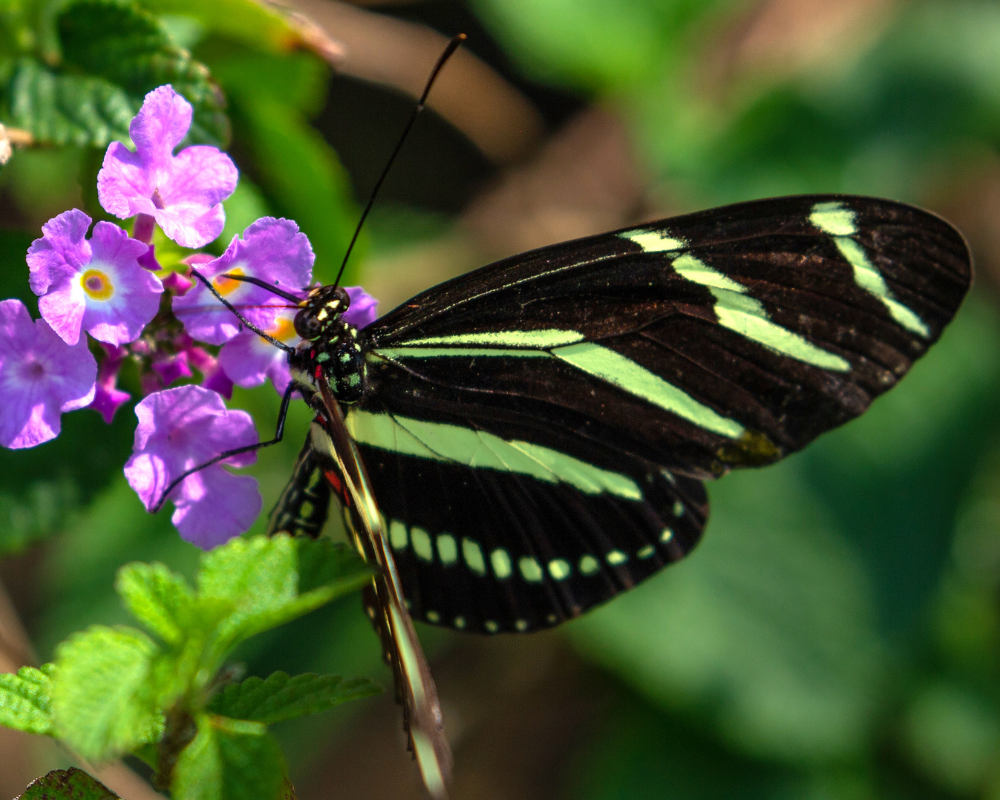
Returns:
<point x="330" y="345"/>
<point x="321" y="311"/>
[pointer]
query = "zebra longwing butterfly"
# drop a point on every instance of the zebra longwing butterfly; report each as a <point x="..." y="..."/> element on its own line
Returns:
<point x="528" y="440"/>
<point x="536" y="431"/>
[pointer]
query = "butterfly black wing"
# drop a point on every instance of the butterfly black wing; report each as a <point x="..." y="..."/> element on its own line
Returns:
<point x="535" y="430"/>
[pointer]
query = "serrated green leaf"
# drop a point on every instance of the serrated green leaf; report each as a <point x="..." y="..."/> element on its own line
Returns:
<point x="67" y="784"/>
<point x="252" y="574"/>
<point x="25" y="701"/>
<point x="280" y="697"/>
<point x="158" y="598"/>
<point x="229" y="760"/>
<point x="112" y="55"/>
<point x="257" y="576"/>
<point x="103" y="698"/>
<point x="69" y="109"/>
<point x="131" y="49"/>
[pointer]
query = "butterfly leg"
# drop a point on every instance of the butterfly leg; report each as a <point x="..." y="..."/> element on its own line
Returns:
<point x="279" y="432"/>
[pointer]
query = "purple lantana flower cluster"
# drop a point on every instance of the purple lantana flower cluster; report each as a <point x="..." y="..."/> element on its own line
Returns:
<point x="105" y="301"/>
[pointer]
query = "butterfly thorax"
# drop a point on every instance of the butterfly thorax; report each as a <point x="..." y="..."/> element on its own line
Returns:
<point x="329" y="347"/>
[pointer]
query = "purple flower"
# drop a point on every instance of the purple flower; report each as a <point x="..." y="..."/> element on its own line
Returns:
<point x="108" y="396"/>
<point x="40" y="377"/>
<point x="94" y="285"/>
<point x="214" y="377"/>
<point x="362" y="311"/>
<point x="272" y="250"/>
<point x="171" y="367"/>
<point x="179" y="429"/>
<point x="249" y="360"/>
<point x="177" y="283"/>
<point x="183" y="193"/>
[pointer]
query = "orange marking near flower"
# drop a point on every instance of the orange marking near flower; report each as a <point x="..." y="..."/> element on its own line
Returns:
<point x="224" y="285"/>
<point x="283" y="329"/>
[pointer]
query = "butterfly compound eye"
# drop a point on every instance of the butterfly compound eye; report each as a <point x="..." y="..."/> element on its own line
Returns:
<point x="320" y="310"/>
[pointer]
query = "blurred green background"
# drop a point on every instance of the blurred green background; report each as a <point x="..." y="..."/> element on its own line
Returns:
<point x="837" y="633"/>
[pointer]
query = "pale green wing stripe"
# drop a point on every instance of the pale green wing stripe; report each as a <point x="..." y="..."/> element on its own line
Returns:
<point x="740" y="312"/>
<point x="654" y="241"/>
<point x="607" y="365"/>
<point x="458" y="352"/>
<point x="734" y="308"/>
<point x="536" y="339"/>
<point x="624" y="373"/>
<point x="438" y="441"/>
<point x="691" y="268"/>
<point x="871" y="280"/>
<point x="834" y="218"/>
<point x="579" y="473"/>
<point x="837" y="220"/>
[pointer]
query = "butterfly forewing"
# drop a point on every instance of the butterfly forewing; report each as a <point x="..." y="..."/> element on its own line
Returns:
<point x="557" y="409"/>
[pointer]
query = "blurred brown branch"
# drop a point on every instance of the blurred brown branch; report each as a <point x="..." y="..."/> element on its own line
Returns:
<point x="471" y="95"/>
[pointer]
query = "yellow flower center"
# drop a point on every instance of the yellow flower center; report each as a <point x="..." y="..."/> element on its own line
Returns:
<point x="283" y="330"/>
<point x="97" y="285"/>
<point x="224" y="285"/>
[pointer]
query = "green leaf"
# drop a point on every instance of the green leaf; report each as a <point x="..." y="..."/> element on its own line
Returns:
<point x="158" y="598"/>
<point x="260" y="577"/>
<point x="256" y="575"/>
<point x="103" y="695"/>
<point x="69" y="109"/>
<point x="280" y="697"/>
<point x="132" y="49"/>
<point x="25" y="701"/>
<point x="67" y="784"/>
<point x="163" y="601"/>
<point x="112" y="55"/>
<point x="304" y="180"/>
<point x="953" y="735"/>
<point x="229" y="760"/>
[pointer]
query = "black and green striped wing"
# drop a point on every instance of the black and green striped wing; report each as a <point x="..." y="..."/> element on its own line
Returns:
<point x="536" y="431"/>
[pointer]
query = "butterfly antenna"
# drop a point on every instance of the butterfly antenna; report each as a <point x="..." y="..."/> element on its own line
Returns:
<point x="239" y="316"/>
<point x="453" y="45"/>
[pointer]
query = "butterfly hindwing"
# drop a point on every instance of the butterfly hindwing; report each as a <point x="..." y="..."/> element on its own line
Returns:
<point x="303" y="507"/>
<point x="496" y="533"/>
